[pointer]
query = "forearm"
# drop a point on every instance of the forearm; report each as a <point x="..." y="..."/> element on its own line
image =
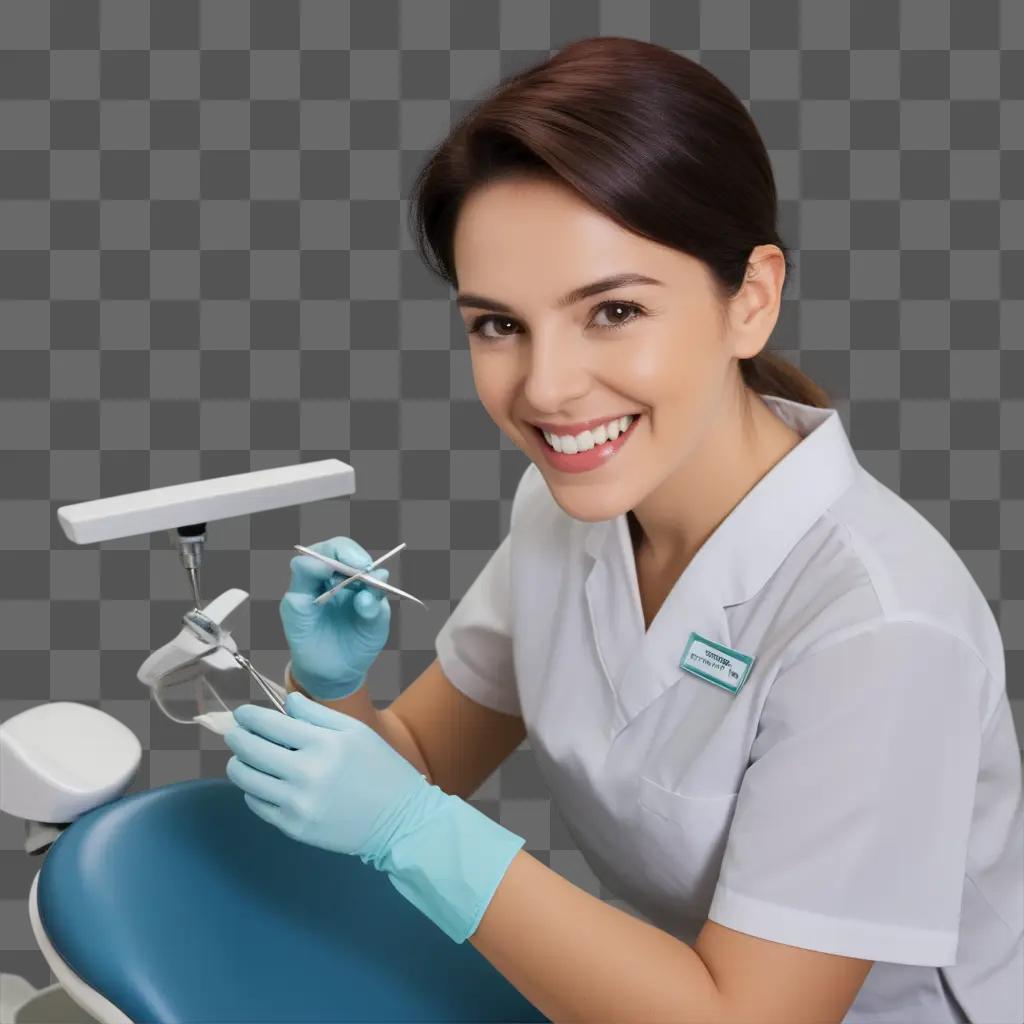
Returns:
<point x="388" y="726"/>
<point x="573" y="956"/>
<point x="576" y="958"/>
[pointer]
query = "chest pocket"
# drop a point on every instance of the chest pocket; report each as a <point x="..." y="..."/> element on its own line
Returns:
<point x="682" y="842"/>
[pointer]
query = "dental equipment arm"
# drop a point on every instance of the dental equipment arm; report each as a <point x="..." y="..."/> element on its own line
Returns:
<point x="185" y="509"/>
<point x="60" y="759"/>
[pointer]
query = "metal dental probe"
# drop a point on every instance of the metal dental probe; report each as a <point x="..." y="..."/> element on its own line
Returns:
<point x="205" y="629"/>
<point x="328" y="594"/>
<point x="348" y="570"/>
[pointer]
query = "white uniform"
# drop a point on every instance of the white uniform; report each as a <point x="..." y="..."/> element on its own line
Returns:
<point x="856" y="791"/>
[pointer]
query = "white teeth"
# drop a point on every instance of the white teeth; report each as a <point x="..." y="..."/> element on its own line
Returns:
<point x="583" y="442"/>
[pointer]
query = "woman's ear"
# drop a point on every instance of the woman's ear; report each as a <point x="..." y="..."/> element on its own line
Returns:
<point x="754" y="310"/>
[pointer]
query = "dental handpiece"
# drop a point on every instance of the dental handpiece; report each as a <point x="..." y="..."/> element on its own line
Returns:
<point x="190" y="541"/>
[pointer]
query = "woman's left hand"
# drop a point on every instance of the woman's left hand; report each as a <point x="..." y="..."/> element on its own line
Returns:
<point x="321" y="776"/>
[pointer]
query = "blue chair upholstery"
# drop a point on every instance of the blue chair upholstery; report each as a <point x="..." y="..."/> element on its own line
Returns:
<point x="180" y="905"/>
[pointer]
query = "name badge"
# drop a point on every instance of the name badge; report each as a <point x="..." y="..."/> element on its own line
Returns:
<point x="715" y="663"/>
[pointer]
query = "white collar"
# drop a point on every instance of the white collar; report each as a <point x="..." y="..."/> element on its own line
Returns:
<point x="732" y="565"/>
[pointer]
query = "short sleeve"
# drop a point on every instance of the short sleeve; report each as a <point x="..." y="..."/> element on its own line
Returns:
<point x="474" y="646"/>
<point x="851" y="826"/>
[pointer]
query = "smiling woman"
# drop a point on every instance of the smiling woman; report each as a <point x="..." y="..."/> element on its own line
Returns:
<point x="608" y="220"/>
<point x="593" y="118"/>
<point x="587" y="297"/>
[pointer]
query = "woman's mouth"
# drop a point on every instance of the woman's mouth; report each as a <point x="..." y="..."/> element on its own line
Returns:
<point x="598" y="454"/>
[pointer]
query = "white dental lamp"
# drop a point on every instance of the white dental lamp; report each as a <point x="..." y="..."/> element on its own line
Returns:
<point x="60" y="759"/>
<point x="185" y="509"/>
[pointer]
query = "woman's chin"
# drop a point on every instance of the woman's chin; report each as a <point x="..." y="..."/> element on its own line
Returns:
<point x="593" y="507"/>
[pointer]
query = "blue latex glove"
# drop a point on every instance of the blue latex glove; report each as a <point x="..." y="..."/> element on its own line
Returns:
<point x="334" y="644"/>
<point x="328" y="779"/>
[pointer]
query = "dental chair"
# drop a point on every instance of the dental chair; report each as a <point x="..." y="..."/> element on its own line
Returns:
<point x="179" y="905"/>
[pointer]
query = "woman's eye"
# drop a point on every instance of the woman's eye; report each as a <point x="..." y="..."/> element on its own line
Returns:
<point x="616" y="306"/>
<point x="632" y="310"/>
<point x="480" y="321"/>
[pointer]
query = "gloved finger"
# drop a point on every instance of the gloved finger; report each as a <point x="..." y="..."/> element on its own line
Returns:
<point x="261" y="754"/>
<point x="380" y="573"/>
<point x="366" y="604"/>
<point x="373" y="619"/>
<point x="297" y="610"/>
<point x="347" y="550"/>
<point x="274" y="726"/>
<point x="270" y="813"/>
<point x="369" y="600"/>
<point x="266" y="787"/>
<point x="309" y="574"/>
<point x="354" y="588"/>
<point x="375" y="613"/>
<point x="306" y="710"/>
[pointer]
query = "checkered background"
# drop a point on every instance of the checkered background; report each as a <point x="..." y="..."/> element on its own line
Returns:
<point x="205" y="269"/>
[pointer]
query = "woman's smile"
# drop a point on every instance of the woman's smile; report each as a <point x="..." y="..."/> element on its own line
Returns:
<point x="598" y="445"/>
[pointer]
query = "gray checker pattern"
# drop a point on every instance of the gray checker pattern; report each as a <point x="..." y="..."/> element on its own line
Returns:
<point x="205" y="269"/>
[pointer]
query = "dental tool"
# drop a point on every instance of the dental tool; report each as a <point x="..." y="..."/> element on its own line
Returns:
<point x="208" y="631"/>
<point x="352" y="571"/>
<point x="190" y="541"/>
<point x="328" y="594"/>
<point x="185" y="509"/>
<point x="193" y="678"/>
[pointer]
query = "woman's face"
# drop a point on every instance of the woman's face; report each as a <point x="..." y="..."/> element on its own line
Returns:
<point x="661" y="353"/>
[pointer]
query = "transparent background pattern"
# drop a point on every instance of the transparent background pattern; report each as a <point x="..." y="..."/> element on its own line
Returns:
<point x="205" y="269"/>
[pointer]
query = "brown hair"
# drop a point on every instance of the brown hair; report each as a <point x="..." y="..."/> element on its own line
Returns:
<point x="649" y="137"/>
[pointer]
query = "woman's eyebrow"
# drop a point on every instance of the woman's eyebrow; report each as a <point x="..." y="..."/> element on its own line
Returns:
<point x="604" y="285"/>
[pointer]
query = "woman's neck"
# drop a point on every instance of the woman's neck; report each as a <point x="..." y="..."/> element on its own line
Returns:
<point x="748" y="450"/>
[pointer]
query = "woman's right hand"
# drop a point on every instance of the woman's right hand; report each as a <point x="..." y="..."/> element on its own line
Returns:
<point x="334" y="644"/>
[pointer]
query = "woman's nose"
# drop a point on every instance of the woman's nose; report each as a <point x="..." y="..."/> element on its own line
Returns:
<point x="556" y="372"/>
